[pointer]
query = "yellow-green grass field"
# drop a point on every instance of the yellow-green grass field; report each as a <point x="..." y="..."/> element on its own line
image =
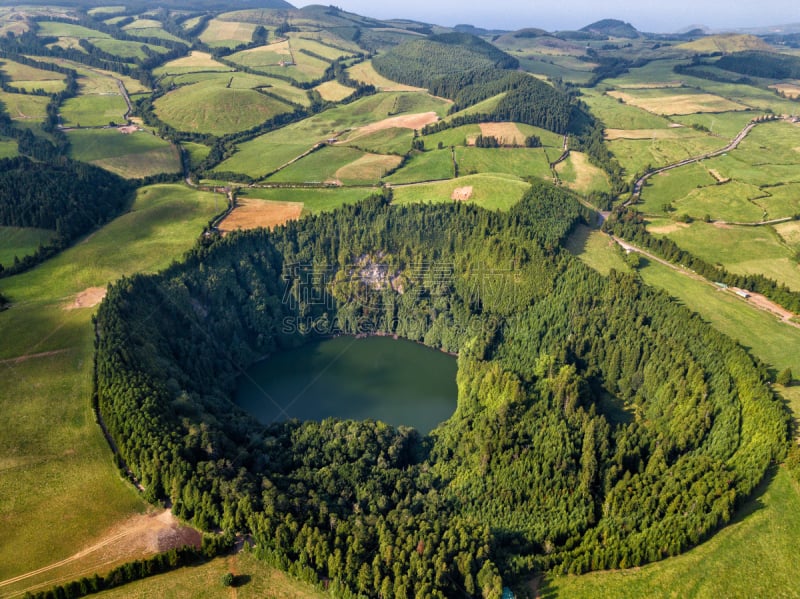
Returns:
<point x="333" y="91"/>
<point x="666" y="188"/>
<point x="30" y="78"/>
<point x="395" y="140"/>
<point x="268" y="152"/>
<point x="227" y="33"/>
<point x="769" y="155"/>
<point x="726" y="43"/>
<point x="25" y="108"/>
<point x="93" y="111"/>
<point x="324" y="166"/>
<point x="425" y="166"/>
<point x="58" y="486"/>
<point x="673" y="102"/>
<point x="456" y="136"/>
<point x="57" y="29"/>
<point x="364" y="72"/>
<point x="307" y="41"/>
<point x="213" y="107"/>
<point x="596" y="249"/>
<point x="724" y="124"/>
<point x="258" y="581"/>
<point x="521" y="162"/>
<point x="485" y="107"/>
<point x="8" y="148"/>
<point x="149" y="28"/>
<point x="126" y="49"/>
<point x="263" y="56"/>
<point x="492" y="191"/>
<point x="314" y="200"/>
<point x="103" y="10"/>
<point x="732" y="202"/>
<point x="97" y="81"/>
<point x="132" y="155"/>
<point x="619" y="115"/>
<point x="637" y="155"/>
<point x="742" y="250"/>
<point x="582" y="176"/>
<point x="21" y="241"/>
<point x="194" y="62"/>
<point x="197" y="152"/>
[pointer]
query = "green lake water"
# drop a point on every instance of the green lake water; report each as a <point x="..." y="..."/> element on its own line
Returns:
<point x="380" y="378"/>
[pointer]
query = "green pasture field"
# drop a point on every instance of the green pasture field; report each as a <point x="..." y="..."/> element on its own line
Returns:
<point x="485" y="107"/>
<point x="456" y="136"/>
<point x="8" y="148"/>
<point x="318" y="167"/>
<point x="262" y="56"/>
<point x="581" y="176"/>
<point x="267" y="152"/>
<point x="203" y="582"/>
<point x="97" y="81"/>
<point x="669" y="186"/>
<point x="58" y="486"/>
<point x="103" y="10"/>
<point x="150" y="28"/>
<point x="196" y="61"/>
<point x="131" y="155"/>
<point x="67" y="43"/>
<point x="636" y="155"/>
<point x="730" y="202"/>
<point x="783" y="200"/>
<point x="491" y="191"/>
<point x="364" y="72"/>
<point x="521" y="162"/>
<point x="211" y="107"/>
<point x="21" y="241"/>
<point x="197" y="152"/>
<point x="425" y="166"/>
<point x="93" y="111"/>
<point x="742" y="250"/>
<point x="597" y="250"/>
<point x="57" y="29"/>
<point x="306" y="41"/>
<point x="395" y="140"/>
<point x="769" y="155"/>
<point x="24" y="76"/>
<point x="368" y="169"/>
<point x="239" y="80"/>
<point x="125" y="49"/>
<point x="333" y="91"/>
<point x="227" y="33"/>
<point x="24" y="108"/>
<point x="618" y="115"/>
<point x="725" y="124"/>
<point x="675" y="101"/>
<point x="554" y="67"/>
<point x="314" y="199"/>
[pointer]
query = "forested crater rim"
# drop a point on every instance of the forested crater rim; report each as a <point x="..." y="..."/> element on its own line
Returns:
<point x="528" y="474"/>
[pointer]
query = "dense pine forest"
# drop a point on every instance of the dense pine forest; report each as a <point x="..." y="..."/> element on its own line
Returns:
<point x="595" y="426"/>
<point x="70" y="198"/>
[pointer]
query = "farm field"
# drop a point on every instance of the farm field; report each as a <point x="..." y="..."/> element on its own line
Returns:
<point x="70" y="455"/>
<point x="127" y="49"/>
<point x="619" y="115"/>
<point x="521" y="162"/>
<point x="492" y="191"/>
<point x="258" y="581"/>
<point x="742" y="250"/>
<point x="196" y="61"/>
<point x="21" y="241"/>
<point x="425" y="166"/>
<point x="214" y="107"/>
<point x="251" y="213"/>
<point x="93" y="111"/>
<point x="30" y="78"/>
<point x="318" y="167"/>
<point x="597" y="250"/>
<point x="313" y="199"/>
<point x="8" y="148"/>
<point x="266" y="153"/>
<point x="364" y="72"/>
<point x="581" y="176"/>
<point x="227" y="34"/>
<point x="333" y="91"/>
<point x="24" y="108"/>
<point x="133" y="155"/>
<point x="669" y="102"/>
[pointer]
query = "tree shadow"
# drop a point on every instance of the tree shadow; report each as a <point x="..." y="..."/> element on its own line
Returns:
<point x="240" y="580"/>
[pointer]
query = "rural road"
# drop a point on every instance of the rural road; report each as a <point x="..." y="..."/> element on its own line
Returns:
<point x="637" y="186"/>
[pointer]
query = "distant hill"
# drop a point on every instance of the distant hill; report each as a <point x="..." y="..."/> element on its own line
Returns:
<point x="612" y="28"/>
<point x="194" y="5"/>
<point x="727" y="44"/>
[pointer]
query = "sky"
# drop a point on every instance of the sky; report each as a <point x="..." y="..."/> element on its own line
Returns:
<point x="655" y="17"/>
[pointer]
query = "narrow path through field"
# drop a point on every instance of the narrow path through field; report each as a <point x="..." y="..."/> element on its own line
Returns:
<point x="26" y="357"/>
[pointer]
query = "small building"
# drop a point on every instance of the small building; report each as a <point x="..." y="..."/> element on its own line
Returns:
<point x="742" y="293"/>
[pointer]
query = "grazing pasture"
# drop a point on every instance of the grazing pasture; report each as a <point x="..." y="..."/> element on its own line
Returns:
<point x="132" y="155"/>
<point x="312" y="199"/>
<point x="93" y="111"/>
<point x="492" y="191"/>
<point x="227" y="33"/>
<point x="21" y="241"/>
<point x="663" y="103"/>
